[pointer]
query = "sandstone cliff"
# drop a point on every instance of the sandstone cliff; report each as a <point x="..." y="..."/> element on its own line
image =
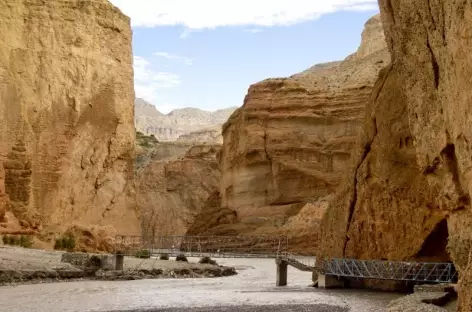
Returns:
<point x="411" y="179"/>
<point x="175" y="186"/>
<point x="289" y="145"/>
<point x="185" y="125"/>
<point x="210" y="135"/>
<point x="66" y="132"/>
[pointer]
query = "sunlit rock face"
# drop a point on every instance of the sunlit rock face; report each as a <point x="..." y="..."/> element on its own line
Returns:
<point x="286" y="150"/>
<point x="176" y="185"/>
<point x="67" y="127"/>
<point x="408" y="195"/>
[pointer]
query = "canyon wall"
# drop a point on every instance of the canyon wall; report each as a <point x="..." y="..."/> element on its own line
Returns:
<point x="210" y="135"/>
<point x="67" y="127"/>
<point x="177" y="184"/>
<point x="287" y="148"/>
<point x="411" y="179"/>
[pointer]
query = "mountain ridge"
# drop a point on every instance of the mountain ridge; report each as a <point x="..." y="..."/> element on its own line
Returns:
<point x="178" y="122"/>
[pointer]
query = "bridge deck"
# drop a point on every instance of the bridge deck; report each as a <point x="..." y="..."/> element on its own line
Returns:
<point x="276" y="248"/>
<point x="391" y="270"/>
<point x="175" y="253"/>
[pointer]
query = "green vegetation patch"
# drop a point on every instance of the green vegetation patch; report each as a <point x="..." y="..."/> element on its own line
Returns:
<point x="25" y="241"/>
<point x="207" y="260"/>
<point x="181" y="257"/>
<point x="65" y="243"/>
<point x="143" y="254"/>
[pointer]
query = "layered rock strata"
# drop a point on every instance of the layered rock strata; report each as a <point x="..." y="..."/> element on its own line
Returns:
<point x="210" y="135"/>
<point x="173" y="190"/>
<point x="289" y="146"/>
<point x="67" y="126"/>
<point x="408" y="195"/>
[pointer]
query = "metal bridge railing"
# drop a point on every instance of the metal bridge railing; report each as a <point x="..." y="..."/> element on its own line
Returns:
<point x="216" y="246"/>
<point x="391" y="270"/>
<point x="304" y="263"/>
<point x="277" y="247"/>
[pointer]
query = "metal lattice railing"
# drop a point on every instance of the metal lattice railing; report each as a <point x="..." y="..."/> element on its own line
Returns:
<point x="215" y="246"/>
<point x="277" y="247"/>
<point x="390" y="270"/>
<point x="303" y="263"/>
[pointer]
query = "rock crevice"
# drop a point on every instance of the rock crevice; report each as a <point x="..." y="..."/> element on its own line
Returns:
<point x="419" y="188"/>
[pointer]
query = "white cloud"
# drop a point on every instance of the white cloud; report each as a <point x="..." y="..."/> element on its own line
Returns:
<point x="199" y="14"/>
<point x="147" y="82"/>
<point x="169" y="56"/>
<point x="253" y="30"/>
<point x="185" y="34"/>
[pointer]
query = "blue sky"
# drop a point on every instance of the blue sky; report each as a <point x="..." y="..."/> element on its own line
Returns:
<point x="208" y="58"/>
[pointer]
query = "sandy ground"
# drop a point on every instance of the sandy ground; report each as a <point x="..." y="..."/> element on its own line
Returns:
<point x="265" y="308"/>
<point x="253" y="289"/>
<point x="15" y="258"/>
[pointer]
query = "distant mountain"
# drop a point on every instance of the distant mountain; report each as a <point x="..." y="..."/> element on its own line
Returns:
<point x="142" y="107"/>
<point x="179" y="122"/>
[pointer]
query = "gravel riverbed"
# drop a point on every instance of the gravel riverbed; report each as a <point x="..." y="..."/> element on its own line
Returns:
<point x="252" y="289"/>
<point x="263" y="308"/>
<point x="19" y="266"/>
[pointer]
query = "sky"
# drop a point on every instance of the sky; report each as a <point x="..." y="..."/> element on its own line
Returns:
<point x="206" y="53"/>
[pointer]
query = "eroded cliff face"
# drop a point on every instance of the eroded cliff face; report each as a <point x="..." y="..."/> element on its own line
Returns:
<point x="411" y="182"/>
<point x="289" y="146"/>
<point x="210" y="135"/>
<point x="175" y="186"/>
<point x="67" y="128"/>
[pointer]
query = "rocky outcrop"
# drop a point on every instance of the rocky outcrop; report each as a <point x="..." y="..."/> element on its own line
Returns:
<point x="286" y="150"/>
<point x="210" y="135"/>
<point x="173" y="190"/>
<point x="67" y="126"/>
<point x="179" y="123"/>
<point x="408" y="195"/>
<point x="17" y="168"/>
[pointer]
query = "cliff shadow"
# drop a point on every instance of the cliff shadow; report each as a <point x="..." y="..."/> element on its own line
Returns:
<point x="434" y="248"/>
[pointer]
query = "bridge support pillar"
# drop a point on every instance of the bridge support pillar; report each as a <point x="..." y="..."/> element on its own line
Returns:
<point x="119" y="261"/>
<point x="281" y="272"/>
<point x="329" y="281"/>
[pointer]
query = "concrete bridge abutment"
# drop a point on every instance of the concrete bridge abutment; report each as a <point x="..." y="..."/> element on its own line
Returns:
<point x="330" y="281"/>
<point x="119" y="261"/>
<point x="282" y="266"/>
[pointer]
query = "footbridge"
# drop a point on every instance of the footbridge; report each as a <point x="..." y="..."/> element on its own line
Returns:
<point x="327" y="272"/>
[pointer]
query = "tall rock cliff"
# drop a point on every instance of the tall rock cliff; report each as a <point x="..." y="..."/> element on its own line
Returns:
<point x="67" y="127"/>
<point x="411" y="180"/>
<point x="175" y="185"/>
<point x="289" y="146"/>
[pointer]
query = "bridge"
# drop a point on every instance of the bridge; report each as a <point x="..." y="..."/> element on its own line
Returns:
<point x="328" y="272"/>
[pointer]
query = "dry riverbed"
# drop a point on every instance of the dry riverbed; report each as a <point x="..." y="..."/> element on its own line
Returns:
<point x="31" y="266"/>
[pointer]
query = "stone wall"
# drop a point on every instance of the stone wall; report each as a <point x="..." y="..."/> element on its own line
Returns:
<point x="86" y="260"/>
